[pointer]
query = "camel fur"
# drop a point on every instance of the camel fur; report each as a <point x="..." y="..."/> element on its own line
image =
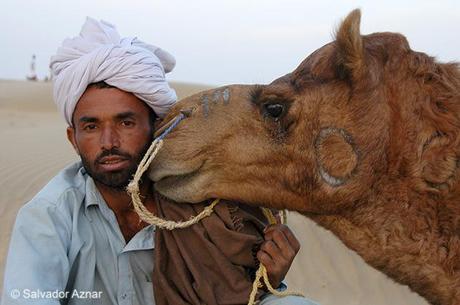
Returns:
<point x="363" y="138"/>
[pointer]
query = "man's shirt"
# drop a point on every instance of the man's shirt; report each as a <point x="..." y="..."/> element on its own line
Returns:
<point x="67" y="248"/>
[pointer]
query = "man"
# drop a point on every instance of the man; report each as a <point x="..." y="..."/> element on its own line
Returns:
<point x="79" y="241"/>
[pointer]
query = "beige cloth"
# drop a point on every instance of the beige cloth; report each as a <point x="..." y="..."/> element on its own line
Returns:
<point x="99" y="53"/>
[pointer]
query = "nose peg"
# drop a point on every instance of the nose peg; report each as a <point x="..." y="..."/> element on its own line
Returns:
<point x="166" y="128"/>
<point x="187" y="112"/>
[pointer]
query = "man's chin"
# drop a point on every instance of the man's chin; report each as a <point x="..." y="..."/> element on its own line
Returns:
<point x="113" y="179"/>
<point x="112" y="182"/>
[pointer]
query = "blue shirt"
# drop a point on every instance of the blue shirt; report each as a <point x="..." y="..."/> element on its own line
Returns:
<point x="67" y="248"/>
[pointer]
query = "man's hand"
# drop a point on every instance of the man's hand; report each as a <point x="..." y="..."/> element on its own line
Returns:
<point x="278" y="252"/>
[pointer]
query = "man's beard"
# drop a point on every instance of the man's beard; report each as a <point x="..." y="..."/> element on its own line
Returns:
<point x="117" y="180"/>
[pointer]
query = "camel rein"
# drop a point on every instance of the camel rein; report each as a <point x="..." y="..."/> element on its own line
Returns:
<point x="148" y="217"/>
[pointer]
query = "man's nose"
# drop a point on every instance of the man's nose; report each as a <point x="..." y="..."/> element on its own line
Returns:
<point x="109" y="138"/>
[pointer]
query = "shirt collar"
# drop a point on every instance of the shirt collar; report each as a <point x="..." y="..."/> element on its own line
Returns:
<point x="143" y="240"/>
<point x="93" y="197"/>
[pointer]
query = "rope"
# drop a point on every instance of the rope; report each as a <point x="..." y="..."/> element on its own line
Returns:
<point x="148" y="217"/>
<point x="262" y="271"/>
<point x="269" y="215"/>
<point x="133" y="189"/>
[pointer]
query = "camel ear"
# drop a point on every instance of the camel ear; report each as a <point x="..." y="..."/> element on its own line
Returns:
<point x="350" y="47"/>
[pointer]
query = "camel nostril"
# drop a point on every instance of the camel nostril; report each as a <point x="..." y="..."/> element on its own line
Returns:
<point x="187" y="112"/>
<point x="168" y="126"/>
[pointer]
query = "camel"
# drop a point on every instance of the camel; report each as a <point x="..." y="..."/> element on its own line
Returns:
<point x="362" y="137"/>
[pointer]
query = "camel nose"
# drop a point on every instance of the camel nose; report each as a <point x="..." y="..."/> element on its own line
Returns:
<point x="214" y="97"/>
<point x="204" y="104"/>
<point x="187" y="112"/>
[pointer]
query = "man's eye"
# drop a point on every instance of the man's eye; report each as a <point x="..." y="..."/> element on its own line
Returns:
<point x="89" y="127"/>
<point x="127" y="123"/>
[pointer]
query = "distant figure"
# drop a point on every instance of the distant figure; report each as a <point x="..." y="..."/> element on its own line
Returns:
<point x="32" y="74"/>
<point x="49" y="77"/>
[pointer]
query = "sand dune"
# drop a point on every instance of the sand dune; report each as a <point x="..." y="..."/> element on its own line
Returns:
<point x="34" y="149"/>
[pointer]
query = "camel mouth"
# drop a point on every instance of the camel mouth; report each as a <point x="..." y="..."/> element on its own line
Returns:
<point x="184" y="182"/>
<point x="174" y="180"/>
<point x="169" y="180"/>
<point x="180" y="188"/>
<point x="170" y="174"/>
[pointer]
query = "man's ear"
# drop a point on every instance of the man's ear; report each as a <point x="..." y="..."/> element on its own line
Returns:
<point x="71" y="138"/>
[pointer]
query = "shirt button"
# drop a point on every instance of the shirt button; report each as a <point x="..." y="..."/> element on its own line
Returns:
<point x="124" y="295"/>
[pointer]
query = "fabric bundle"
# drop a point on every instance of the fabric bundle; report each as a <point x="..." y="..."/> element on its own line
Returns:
<point x="100" y="54"/>
<point x="211" y="262"/>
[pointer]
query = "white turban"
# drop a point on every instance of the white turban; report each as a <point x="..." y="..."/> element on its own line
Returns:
<point x="100" y="54"/>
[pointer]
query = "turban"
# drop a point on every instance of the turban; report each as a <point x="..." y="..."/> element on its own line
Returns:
<point x="100" y="54"/>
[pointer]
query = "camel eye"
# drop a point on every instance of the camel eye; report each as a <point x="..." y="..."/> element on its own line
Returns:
<point x="274" y="110"/>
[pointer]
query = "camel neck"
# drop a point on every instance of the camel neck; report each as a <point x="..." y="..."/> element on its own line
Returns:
<point x="396" y="236"/>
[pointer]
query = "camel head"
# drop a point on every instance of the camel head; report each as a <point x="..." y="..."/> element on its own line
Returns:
<point x="358" y="112"/>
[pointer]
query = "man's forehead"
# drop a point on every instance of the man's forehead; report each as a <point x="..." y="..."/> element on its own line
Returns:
<point x="101" y="103"/>
<point x="114" y="116"/>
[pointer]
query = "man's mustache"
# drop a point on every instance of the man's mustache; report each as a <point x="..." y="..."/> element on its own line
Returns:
<point x="113" y="152"/>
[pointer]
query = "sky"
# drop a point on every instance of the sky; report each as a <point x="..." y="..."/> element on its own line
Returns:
<point x="222" y="42"/>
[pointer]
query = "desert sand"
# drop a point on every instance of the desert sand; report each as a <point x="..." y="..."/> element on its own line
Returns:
<point x="34" y="149"/>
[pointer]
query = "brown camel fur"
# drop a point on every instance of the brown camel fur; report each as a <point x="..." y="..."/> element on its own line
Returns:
<point x="363" y="138"/>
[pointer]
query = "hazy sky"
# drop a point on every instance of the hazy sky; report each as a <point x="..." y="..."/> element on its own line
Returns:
<point x="222" y="42"/>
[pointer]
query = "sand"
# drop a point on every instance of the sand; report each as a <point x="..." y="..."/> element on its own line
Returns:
<point x="34" y="149"/>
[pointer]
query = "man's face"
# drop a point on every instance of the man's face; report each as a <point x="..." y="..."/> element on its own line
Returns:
<point x="111" y="133"/>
